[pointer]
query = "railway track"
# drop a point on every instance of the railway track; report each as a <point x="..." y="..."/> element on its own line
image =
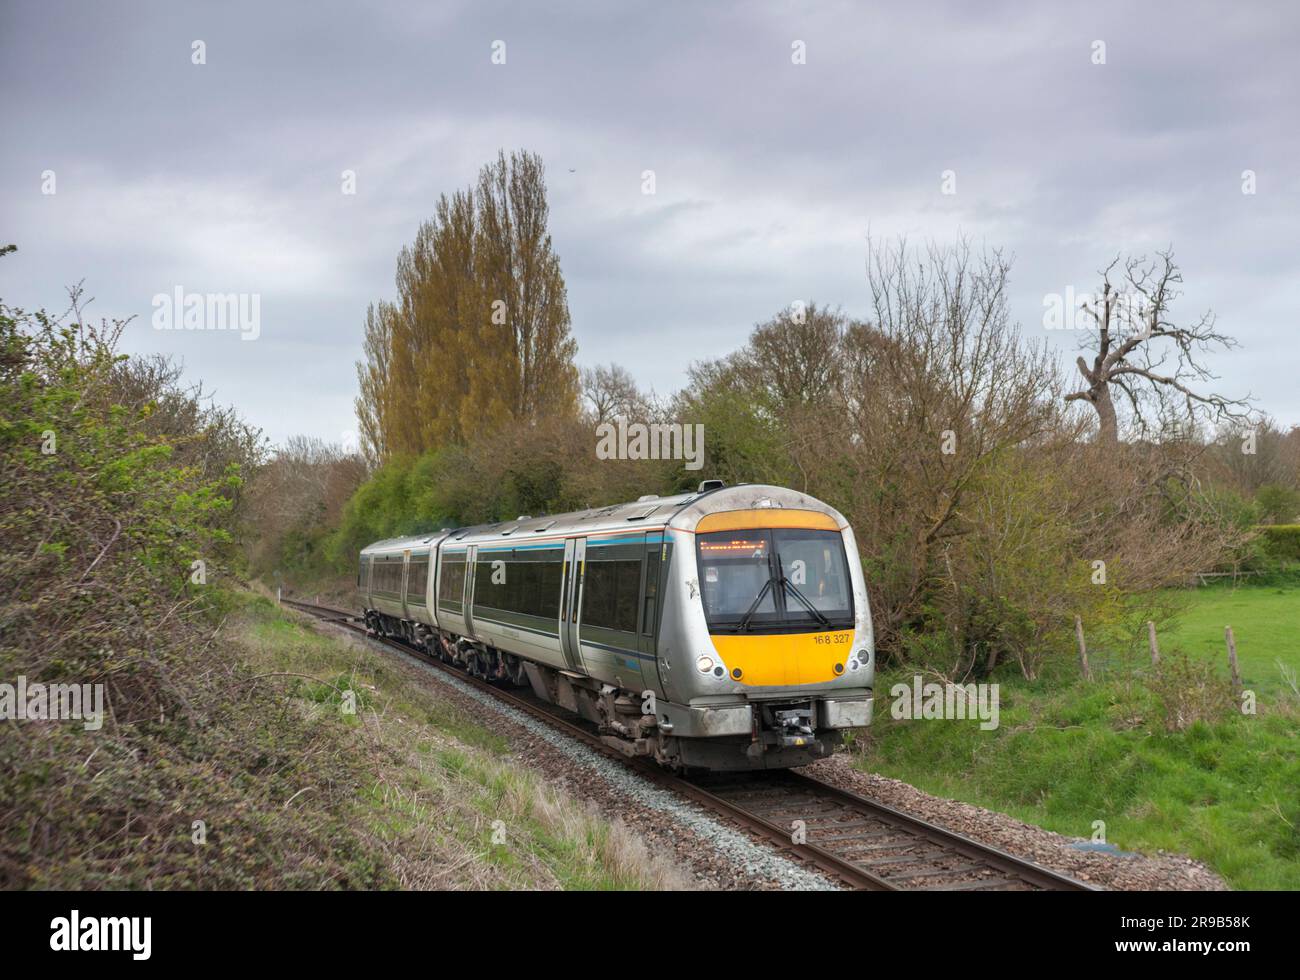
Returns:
<point x="856" y="840"/>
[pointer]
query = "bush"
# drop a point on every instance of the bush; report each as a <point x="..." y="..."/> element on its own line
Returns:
<point x="110" y="529"/>
<point x="1281" y="541"/>
<point x="1189" y="691"/>
<point x="1277" y="504"/>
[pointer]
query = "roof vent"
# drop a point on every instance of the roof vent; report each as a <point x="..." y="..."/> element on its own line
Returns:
<point x="523" y="517"/>
<point x="708" y="485"/>
<point x="649" y="496"/>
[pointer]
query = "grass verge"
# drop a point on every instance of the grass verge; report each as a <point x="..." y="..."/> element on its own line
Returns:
<point x="1210" y="783"/>
<point x="440" y="801"/>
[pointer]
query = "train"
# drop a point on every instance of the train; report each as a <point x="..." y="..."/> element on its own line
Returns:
<point x="723" y="629"/>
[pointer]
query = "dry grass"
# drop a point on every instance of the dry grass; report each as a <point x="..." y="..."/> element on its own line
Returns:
<point x="1189" y="691"/>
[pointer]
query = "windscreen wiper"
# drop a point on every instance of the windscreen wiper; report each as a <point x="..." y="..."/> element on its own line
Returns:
<point x="743" y="625"/>
<point x="804" y="599"/>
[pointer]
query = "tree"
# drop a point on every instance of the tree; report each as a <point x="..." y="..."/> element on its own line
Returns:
<point x="439" y="307"/>
<point x="1261" y="456"/>
<point x="896" y="423"/>
<point x="752" y="401"/>
<point x="294" y="499"/>
<point x="1134" y="340"/>
<point x="790" y="356"/>
<point x="521" y="365"/>
<point x="936" y="390"/>
<point x="479" y="335"/>
<point x="611" y="393"/>
<point x="373" y="382"/>
<point x="981" y="515"/>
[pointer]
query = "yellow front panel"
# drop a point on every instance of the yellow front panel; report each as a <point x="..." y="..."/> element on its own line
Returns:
<point x="784" y="659"/>
<point x="765" y="517"/>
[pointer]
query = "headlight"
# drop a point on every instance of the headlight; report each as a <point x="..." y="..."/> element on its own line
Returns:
<point x="704" y="665"/>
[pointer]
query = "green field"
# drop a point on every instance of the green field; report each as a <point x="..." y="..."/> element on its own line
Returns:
<point x="1225" y="791"/>
<point x="1265" y="621"/>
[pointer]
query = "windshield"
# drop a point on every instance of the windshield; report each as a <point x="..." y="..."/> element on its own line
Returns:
<point x="779" y="579"/>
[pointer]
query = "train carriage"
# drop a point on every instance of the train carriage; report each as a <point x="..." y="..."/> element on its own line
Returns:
<point x="723" y="629"/>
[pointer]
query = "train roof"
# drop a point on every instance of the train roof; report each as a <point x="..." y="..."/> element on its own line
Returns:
<point x="415" y="542"/>
<point x="650" y="512"/>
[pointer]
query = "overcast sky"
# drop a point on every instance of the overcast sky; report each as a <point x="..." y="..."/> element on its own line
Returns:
<point x="226" y="177"/>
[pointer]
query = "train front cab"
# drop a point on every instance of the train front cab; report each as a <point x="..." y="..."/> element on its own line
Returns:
<point x="781" y="635"/>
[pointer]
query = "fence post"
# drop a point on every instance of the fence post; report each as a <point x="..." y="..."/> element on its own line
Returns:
<point x="1232" y="660"/>
<point x="1083" y="649"/>
<point x="277" y="595"/>
<point x="1151" y="640"/>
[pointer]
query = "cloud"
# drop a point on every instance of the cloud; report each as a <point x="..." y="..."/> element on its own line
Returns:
<point x="769" y="175"/>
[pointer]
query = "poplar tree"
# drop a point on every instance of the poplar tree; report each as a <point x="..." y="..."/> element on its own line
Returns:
<point x="479" y="337"/>
<point x="523" y="354"/>
<point x="372" y="382"/>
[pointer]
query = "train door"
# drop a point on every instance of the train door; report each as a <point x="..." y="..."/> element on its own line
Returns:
<point x="406" y="575"/>
<point x="575" y="555"/>
<point x="648" y="613"/>
<point x="471" y="556"/>
<point x="431" y="586"/>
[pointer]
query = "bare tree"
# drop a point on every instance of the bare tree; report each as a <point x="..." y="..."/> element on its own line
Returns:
<point x="1270" y="455"/>
<point x="789" y="357"/>
<point x="302" y="489"/>
<point x="611" y="393"/>
<point x="927" y="404"/>
<point x="1132" y="319"/>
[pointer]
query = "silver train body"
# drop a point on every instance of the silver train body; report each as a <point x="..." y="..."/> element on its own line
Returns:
<point x="723" y="629"/>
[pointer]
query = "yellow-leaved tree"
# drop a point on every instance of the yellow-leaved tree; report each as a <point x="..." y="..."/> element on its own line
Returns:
<point x="478" y="338"/>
